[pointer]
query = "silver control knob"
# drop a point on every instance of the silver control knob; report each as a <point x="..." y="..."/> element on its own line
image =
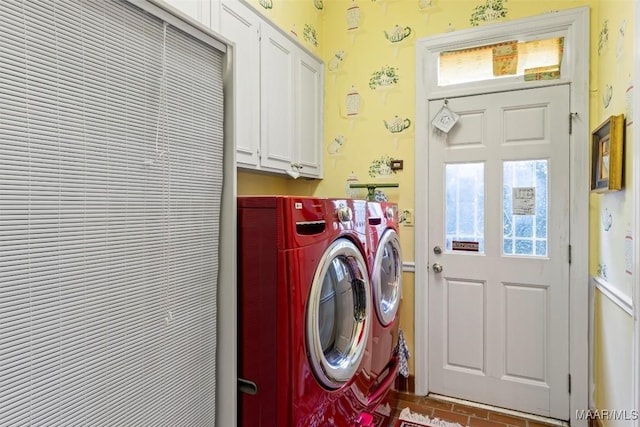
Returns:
<point x="344" y="213"/>
<point x="389" y="213"/>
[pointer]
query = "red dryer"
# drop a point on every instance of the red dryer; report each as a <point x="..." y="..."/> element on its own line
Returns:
<point x="385" y="270"/>
<point x="304" y="312"/>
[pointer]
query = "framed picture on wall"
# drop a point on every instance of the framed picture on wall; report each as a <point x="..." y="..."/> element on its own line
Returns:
<point x="607" y="148"/>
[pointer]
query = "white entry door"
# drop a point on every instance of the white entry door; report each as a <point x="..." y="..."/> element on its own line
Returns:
<point x="499" y="251"/>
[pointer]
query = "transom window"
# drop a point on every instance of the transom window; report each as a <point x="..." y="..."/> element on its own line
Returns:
<point x="532" y="60"/>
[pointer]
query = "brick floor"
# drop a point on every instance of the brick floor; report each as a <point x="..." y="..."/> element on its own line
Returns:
<point x="454" y="412"/>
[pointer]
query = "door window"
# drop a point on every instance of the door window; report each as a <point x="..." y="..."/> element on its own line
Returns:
<point x="524" y="201"/>
<point x="464" y="206"/>
<point x="338" y="313"/>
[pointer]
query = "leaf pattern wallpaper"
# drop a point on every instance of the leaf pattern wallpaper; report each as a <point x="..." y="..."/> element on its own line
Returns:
<point x="369" y="53"/>
<point x="310" y="35"/>
<point x="604" y="37"/>
<point x="612" y="213"/>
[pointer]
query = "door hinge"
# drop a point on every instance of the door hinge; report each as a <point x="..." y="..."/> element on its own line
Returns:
<point x="571" y="117"/>
<point x="259" y="34"/>
<point x="569" y="254"/>
<point x="569" y="382"/>
<point x="258" y="153"/>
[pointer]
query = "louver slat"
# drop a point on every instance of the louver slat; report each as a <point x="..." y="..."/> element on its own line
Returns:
<point x="110" y="189"/>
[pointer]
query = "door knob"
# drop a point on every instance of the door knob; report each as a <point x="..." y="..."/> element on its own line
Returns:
<point x="437" y="267"/>
<point x="437" y="250"/>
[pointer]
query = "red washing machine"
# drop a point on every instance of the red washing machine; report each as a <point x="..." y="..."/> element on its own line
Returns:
<point x="385" y="270"/>
<point x="304" y="312"/>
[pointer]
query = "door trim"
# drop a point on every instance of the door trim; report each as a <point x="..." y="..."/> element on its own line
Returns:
<point x="635" y="370"/>
<point x="574" y="25"/>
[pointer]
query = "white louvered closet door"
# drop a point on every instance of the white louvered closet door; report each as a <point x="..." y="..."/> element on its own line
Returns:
<point x="110" y="189"/>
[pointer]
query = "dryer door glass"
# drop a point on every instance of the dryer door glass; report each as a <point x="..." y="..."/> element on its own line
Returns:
<point x="338" y="313"/>
<point x="387" y="277"/>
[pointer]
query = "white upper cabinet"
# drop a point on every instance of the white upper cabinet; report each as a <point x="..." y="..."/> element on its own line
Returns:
<point x="205" y="12"/>
<point x="278" y="95"/>
<point x="309" y="111"/>
<point x="277" y="102"/>
<point x="242" y="26"/>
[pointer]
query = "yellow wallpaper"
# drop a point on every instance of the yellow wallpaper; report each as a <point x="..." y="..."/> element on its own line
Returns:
<point x="611" y="214"/>
<point x="255" y="184"/>
<point x="369" y="51"/>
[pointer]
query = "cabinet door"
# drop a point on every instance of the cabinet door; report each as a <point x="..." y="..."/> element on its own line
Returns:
<point x="200" y="10"/>
<point x="241" y="25"/>
<point x="309" y="101"/>
<point x="215" y="15"/>
<point x="277" y="99"/>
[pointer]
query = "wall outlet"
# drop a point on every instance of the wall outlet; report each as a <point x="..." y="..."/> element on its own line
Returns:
<point x="406" y="217"/>
<point x="397" y="165"/>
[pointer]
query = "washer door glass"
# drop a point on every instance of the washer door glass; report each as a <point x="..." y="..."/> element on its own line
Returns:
<point x="386" y="277"/>
<point x="338" y="313"/>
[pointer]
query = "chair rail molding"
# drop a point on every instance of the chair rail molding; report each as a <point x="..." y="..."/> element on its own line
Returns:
<point x="619" y="298"/>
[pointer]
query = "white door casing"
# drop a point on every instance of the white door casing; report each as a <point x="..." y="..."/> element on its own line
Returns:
<point x="636" y="213"/>
<point x="573" y="24"/>
<point x="498" y="319"/>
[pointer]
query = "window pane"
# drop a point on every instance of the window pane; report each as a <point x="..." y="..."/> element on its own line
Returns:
<point x="465" y="65"/>
<point x="534" y="59"/>
<point x="464" y="206"/>
<point x="508" y="246"/>
<point x="524" y="203"/>
<point x="524" y="247"/>
<point x="524" y="226"/>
